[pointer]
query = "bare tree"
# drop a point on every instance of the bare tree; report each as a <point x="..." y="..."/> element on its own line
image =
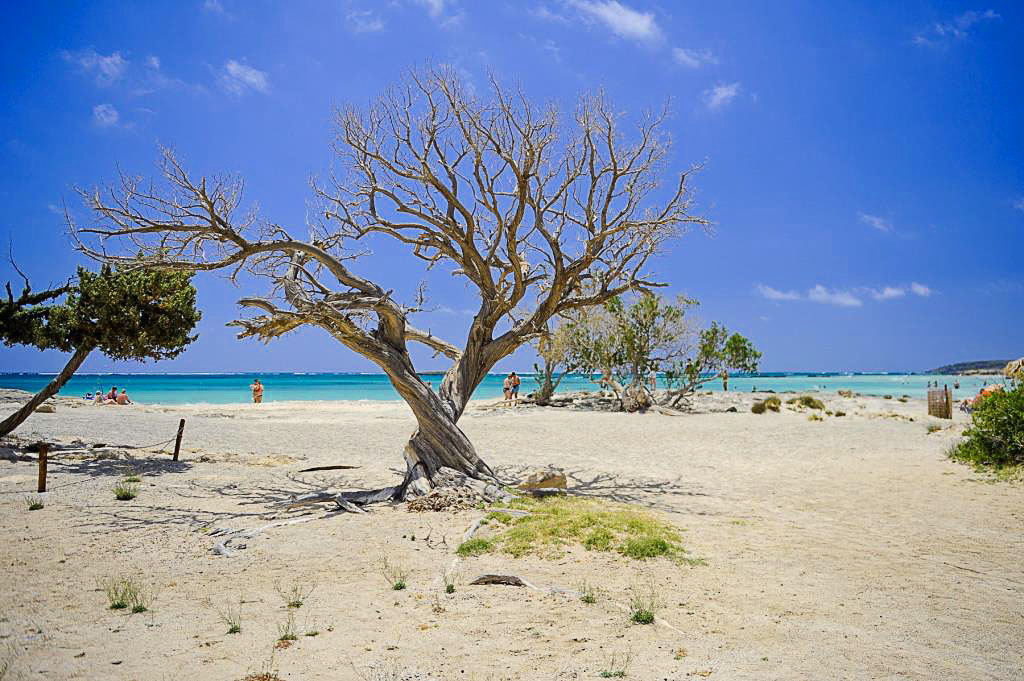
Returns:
<point x="540" y="217"/>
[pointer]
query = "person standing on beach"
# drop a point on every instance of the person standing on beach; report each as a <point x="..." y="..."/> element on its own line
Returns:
<point x="257" y="391"/>
<point x="725" y="380"/>
<point x="514" y="384"/>
<point x="506" y="388"/>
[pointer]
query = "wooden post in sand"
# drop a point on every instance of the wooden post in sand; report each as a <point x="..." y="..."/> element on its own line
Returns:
<point x="949" y="401"/>
<point x="43" y="449"/>
<point x="177" y="440"/>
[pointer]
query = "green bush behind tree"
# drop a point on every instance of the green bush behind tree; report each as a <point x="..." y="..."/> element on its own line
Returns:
<point x="996" y="434"/>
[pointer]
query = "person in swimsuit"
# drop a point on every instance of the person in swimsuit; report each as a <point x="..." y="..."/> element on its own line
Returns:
<point x="257" y="391"/>
<point x="506" y="388"/>
<point x="514" y="382"/>
<point x="122" y="399"/>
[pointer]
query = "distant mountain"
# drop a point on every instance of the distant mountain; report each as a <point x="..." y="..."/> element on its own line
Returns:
<point x="985" y="366"/>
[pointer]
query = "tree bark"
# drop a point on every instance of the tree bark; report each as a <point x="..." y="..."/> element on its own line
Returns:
<point x="438" y="442"/>
<point x="51" y="389"/>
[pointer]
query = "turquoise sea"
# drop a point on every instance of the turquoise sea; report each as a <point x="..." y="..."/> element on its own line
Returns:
<point x="156" y="388"/>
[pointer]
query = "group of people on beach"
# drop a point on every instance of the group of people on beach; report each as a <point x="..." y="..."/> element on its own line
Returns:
<point x="112" y="397"/>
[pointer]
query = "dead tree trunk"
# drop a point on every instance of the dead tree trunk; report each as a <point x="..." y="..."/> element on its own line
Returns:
<point x="51" y="389"/>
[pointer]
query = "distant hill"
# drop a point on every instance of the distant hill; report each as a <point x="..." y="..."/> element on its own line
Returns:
<point x="987" y="366"/>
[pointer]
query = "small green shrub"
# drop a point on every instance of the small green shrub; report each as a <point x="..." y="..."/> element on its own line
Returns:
<point x="840" y="413"/>
<point x="449" y="578"/>
<point x="286" y="630"/>
<point x="996" y="434"/>
<point x="475" y="547"/>
<point x="757" y="408"/>
<point x="231" y="617"/>
<point x="588" y="592"/>
<point x="126" y="491"/>
<point x="296" y="594"/>
<point x="617" y="667"/>
<point x="395" y="575"/>
<point x="34" y="502"/>
<point x="124" y="593"/>
<point x="933" y="428"/>
<point x="807" y="401"/>
<point x="643" y="604"/>
<point x="815" y="417"/>
<point x="131" y="478"/>
<point x="886" y="397"/>
<point x="641" y="548"/>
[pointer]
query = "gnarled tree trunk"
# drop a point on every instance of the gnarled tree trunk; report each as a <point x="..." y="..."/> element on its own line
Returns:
<point x="51" y="389"/>
<point x="438" y="442"/>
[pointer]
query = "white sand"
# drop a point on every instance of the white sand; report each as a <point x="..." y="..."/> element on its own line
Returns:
<point x="843" y="549"/>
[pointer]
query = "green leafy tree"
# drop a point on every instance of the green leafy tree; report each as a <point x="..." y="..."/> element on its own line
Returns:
<point x="717" y="351"/>
<point x="629" y="344"/>
<point x="126" y="315"/>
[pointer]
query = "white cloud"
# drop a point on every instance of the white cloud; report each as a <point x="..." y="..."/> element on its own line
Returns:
<point x="620" y="19"/>
<point x="237" y="78"/>
<point x="107" y="69"/>
<point x="214" y="7"/>
<point x="881" y="224"/>
<point x="545" y="14"/>
<point x="693" y="59"/>
<point x="364" y="22"/>
<point x="105" y="115"/>
<point x="847" y="297"/>
<point x="775" y="294"/>
<point x="720" y="95"/>
<point x="153" y="62"/>
<point x="920" y="290"/>
<point x="888" y="293"/>
<point x="820" y="294"/>
<point x="1019" y="204"/>
<point x="435" y="8"/>
<point x="957" y="28"/>
<point x="441" y="12"/>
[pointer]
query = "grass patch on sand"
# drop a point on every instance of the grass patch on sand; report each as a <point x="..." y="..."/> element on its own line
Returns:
<point x="126" y="491"/>
<point x="560" y="521"/>
<point x="475" y="547"/>
<point x="769" y="403"/>
<point x="126" y="593"/>
<point x="807" y="401"/>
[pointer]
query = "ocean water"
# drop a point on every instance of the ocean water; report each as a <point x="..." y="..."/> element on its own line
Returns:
<point x="153" y="388"/>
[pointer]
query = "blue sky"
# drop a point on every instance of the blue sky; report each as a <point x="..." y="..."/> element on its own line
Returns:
<point x="864" y="164"/>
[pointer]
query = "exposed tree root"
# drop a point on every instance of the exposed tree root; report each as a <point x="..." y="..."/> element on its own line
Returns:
<point x="221" y="548"/>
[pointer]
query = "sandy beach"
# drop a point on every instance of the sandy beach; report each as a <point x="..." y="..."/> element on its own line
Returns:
<point x="847" y="548"/>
